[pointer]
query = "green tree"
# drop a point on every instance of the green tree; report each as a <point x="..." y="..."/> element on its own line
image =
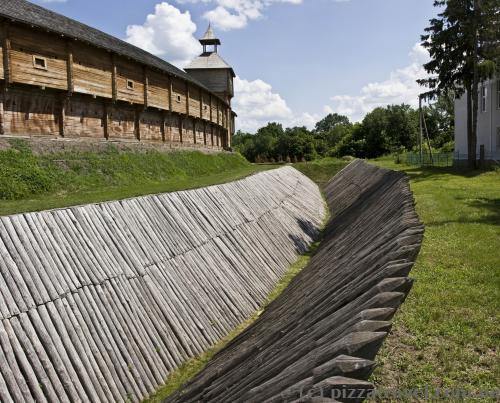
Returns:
<point x="330" y="121"/>
<point x="401" y="126"/>
<point x="463" y="45"/>
<point x="374" y="132"/>
<point x="440" y="118"/>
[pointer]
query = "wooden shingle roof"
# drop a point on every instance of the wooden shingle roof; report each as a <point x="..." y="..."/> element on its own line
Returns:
<point x="25" y="12"/>
<point x="209" y="60"/>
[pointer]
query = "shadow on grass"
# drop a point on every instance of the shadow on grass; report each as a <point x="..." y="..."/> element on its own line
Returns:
<point x="490" y="205"/>
<point x="419" y="174"/>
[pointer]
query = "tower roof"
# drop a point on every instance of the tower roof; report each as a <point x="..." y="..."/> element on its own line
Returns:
<point x="209" y="38"/>
<point x="209" y="61"/>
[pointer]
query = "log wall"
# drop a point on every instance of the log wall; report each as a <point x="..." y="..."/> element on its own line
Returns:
<point x="55" y="86"/>
<point x="92" y="71"/>
<point x="317" y="342"/>
<point x="100" y="303"/>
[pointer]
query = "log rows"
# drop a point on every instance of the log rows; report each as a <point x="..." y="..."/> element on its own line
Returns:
<point x="100" y="303"/>
<point x="318" y="340"/>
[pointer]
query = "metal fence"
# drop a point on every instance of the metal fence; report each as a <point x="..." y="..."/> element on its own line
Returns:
<point x="437" y="159"/>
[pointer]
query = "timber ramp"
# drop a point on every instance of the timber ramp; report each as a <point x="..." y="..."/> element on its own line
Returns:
<point x="99" y="303"/>
<point x="318" y="340"/>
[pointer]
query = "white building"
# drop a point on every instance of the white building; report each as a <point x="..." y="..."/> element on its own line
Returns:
<point x="488" y="118"/>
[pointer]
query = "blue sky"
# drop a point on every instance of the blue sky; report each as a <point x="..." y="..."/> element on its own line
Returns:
<point x="296" y="60"/>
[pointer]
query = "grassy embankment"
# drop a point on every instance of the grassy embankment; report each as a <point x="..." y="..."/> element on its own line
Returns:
<point x="31" y="182"/>
<point x="318" y="171"/>
<point x="446" y="333"/>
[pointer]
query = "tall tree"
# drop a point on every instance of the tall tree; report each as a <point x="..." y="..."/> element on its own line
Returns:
<point x="463" y="44"/>
<point x="330" y="121"/>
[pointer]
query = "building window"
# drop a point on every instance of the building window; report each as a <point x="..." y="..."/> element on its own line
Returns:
<point x="40" y="62"/>
<point x="498" y="138"/>
<point x="130" y="85"/>
<point x="484" y="95"/>
<point x="178" y="98"/>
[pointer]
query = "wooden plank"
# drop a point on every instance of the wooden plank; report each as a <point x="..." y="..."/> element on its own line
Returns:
<point x="6" y="48"/>
<point x="201" y="103"/>
<point x="62" y="114"/>
<point x="163" y="122"/>
<point x="146" y="86"/>
<point x="210" y="107"/>
<point x="137" y="123"/>
<point x="114" y="74"/>
<point x="181" y="128"/>
<point x="187" y="98"/>
<point x="105" y="120"/>
<point x="69" y="62"/>
<point x="170" y="93"/>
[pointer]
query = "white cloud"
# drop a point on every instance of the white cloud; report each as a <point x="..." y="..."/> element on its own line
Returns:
<point x="224" y="20"/>
<point x="257" y="104"/>
<point x="168" y="33"/>
<point x="400" y="87"/>
<point x="235" y="14"/>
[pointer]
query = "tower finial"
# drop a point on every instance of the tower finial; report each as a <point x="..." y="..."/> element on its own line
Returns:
<point x="209" y="38"/>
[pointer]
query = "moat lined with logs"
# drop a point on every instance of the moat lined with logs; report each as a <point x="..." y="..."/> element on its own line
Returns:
<point x="102" y="302"/>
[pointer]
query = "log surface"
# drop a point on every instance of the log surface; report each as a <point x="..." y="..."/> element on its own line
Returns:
<point x="317" y="342"/>
<point x="99" y="303"/>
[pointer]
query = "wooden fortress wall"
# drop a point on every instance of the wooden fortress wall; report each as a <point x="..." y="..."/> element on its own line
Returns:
<point x="55" y="86"/>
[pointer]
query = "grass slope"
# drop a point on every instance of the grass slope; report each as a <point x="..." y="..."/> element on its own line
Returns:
<point x="31" y="182"/>
<point x="321" y="171"/>
<point x="447" y="334"/>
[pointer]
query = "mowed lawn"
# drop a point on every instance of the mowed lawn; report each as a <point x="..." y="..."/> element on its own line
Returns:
<point x="447" y="334"/>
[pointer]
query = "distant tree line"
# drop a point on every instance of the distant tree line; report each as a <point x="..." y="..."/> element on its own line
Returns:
<point x="384" y="130"/>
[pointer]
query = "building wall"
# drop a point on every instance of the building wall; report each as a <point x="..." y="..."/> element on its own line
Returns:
<point x="158" y="90"/>
<point x="217" y="80"/>
<point x="488" y="129"/>
<point x="29" y="111"/>
<point x="25" y="46"/>
<point x="84" y="117"/>
<point x="92" y="71"/>
<point x="84" y="91"/>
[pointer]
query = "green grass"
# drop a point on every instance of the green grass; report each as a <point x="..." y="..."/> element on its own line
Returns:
<point x="321" y="171"/>
<point x="447" y="332"/>
<point x="31" y="182"/>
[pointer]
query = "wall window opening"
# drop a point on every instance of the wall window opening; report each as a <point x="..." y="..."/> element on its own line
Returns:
<point x="484" y="95"/>
<point x="40" y="62"/>
<point x="498" y="94"/>
<point x="130" y="85"/>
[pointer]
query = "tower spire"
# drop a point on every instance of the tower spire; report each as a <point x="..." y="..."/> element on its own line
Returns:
<point x="210" y="39"/>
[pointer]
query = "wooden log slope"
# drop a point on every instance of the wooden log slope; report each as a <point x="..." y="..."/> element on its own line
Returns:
<point x="318" y="340"/>
<point x="99" y="303"/>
